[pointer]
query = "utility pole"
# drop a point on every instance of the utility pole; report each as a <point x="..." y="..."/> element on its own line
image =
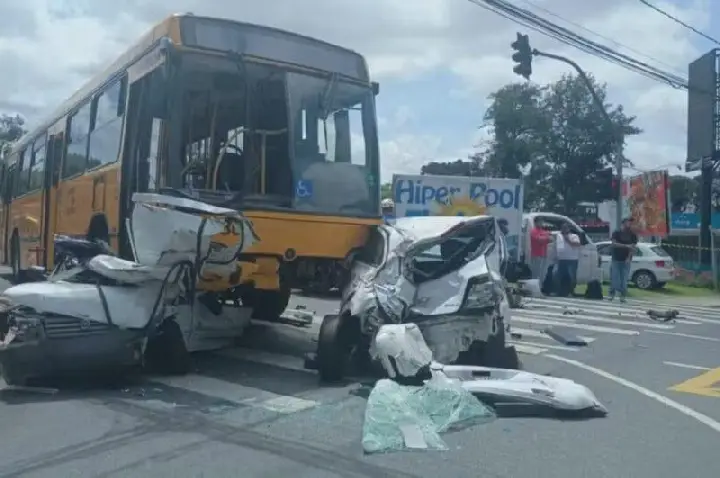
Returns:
<point x="523" y="58"/>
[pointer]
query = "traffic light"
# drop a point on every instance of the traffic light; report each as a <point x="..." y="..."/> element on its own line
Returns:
<point x="522" y="56"/>
<point x="605" y="185"/>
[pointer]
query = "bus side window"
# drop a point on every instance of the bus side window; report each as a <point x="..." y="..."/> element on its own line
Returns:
<point x="106" y="126"/>
<point x="23" y="175"/>
<point x="77" y="143"/>
<point x="37" y="170"/>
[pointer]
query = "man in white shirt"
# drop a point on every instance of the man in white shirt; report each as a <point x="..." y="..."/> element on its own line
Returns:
<point x="568" y="255"/>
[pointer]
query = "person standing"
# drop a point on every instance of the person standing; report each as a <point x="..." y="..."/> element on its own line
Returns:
<point x="568" y="257"/>
<point x="539" y="240"/>
<point x="624" y="242"/>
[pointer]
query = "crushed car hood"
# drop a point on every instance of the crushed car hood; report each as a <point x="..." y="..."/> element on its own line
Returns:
<point x="164" y="230"/>
<point x="425" y="277"/>
<point x="412" y="274"/>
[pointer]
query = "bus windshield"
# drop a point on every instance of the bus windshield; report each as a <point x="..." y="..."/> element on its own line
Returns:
<point x="335" y="165"/>
<point x="266" y="137"/>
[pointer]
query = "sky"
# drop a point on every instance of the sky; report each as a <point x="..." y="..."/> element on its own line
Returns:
<point x="436" y="60"/>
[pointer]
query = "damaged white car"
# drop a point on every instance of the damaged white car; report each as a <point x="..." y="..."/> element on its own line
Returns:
<point x="107" y="314"/>
<point x="443" y="274"/>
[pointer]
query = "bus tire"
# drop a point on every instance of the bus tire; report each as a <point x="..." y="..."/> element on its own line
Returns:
<point x="267" y="304"/>
<point x="18" y="274"/>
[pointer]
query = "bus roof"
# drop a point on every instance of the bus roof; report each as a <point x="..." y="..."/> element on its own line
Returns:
<point x="171" y="28"/>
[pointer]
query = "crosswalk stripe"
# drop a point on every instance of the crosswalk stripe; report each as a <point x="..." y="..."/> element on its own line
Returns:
<point x="574" y="325"/>
<point x="529" y="349"/>
<point x="525" y="343"/>
<point x="542" y="335"/>
<point x="625" y="309"/>
<point x="626" y="313"/>
<point x="577" y="316"/>
<point x="687" y="336"/>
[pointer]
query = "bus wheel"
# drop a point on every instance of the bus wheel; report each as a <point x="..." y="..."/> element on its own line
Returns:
<point x="267" y="304"/>
<point x="17" y="273"/>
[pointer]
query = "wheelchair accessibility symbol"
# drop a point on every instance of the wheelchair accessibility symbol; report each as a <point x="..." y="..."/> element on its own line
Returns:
<point x="303" y="189"/>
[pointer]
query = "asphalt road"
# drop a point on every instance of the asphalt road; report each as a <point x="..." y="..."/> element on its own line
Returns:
<point x="257" y="414"/>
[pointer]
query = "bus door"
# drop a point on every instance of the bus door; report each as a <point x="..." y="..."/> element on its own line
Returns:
<point x="55" y="147"/>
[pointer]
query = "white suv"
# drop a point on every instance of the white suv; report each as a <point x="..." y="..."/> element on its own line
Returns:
<point x="652" y="267"/>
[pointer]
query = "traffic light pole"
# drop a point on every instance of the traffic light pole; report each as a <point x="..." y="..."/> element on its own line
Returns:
<point x="601" y="107"/>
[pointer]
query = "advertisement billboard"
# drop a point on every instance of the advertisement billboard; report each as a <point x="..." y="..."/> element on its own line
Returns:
<point x="646" y="201"/>
<point x="426" y="195"/>
<point x="702" y="78"/>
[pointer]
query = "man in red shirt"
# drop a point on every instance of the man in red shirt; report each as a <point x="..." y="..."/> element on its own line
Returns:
<point x="539" y="240"/>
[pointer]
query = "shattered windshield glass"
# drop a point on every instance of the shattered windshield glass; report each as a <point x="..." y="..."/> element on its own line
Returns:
<point x="433" y="258"/>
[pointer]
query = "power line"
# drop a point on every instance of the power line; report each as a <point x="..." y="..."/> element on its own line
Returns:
<point x="592" y="32"/>
<point x="679" y="22"/>
<point x="564" y="35"/>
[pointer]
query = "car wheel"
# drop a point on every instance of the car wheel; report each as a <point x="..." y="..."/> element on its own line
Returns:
<point x="644" y="280"/>
<point x="334" y="348"/>
<point x="166" y="352"/>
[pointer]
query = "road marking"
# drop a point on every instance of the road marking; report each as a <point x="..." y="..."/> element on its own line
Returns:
<point x="543" y="346"/>
<point x="668" y="402"/>
<point x="705" y="385"/>
<point x="573" y="325"/>
<point x="539" y="334"/>
<point x="289" y="362"/>
<point x="529" y="350"/>
<point x="648" y="324"/>
<point x="685" y="365"/>
<point x="687" y="336"/>
<point x="231" y="392"/>
<point x="616" y="313"/>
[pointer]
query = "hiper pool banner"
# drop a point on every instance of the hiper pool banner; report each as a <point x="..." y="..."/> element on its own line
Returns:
<point x="424" y="195"/>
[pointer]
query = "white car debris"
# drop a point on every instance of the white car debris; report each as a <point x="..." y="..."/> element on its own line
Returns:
<point x="424" y="398"/>
<point x="108" y="314"/>
<point x="443" y="274"/>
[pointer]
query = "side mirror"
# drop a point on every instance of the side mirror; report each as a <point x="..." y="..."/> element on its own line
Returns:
<point x="375" y="88"/>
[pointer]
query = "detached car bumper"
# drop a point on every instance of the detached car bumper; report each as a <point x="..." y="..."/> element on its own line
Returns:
<point x="68" y="347"/>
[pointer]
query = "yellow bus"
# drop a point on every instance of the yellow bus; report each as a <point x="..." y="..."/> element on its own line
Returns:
<point x="278" y="125"/>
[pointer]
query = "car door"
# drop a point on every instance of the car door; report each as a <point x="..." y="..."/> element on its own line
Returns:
<point x="588" y="269"/>
<point x="605" y="251"/>
<point x="639" y="261"/>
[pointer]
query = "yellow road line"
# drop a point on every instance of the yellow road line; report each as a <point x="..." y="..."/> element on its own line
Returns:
<point x="706" y="384"/>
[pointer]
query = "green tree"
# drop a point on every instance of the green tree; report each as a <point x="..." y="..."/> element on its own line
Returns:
<point x="555" y="138"/>
<point x="386" y="191"/>
<point x="451" y="168"/>
<point x="11" y="129"/>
